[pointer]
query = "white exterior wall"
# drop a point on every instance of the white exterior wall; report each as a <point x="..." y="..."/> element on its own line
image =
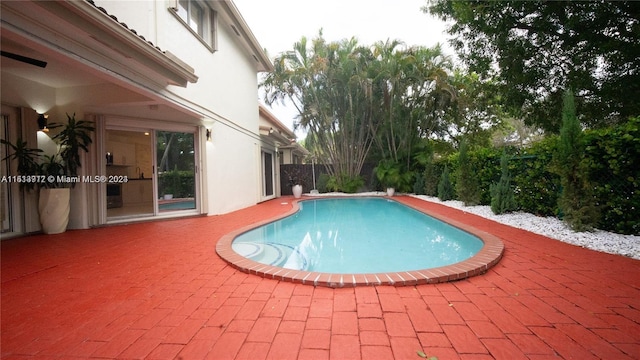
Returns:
<point x="226" y="92"/>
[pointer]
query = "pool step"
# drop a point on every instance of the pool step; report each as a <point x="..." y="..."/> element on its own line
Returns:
<point x="274" y="254"/>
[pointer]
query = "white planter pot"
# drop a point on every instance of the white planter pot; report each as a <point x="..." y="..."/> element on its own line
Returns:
<point x="297" y="191"/>
<point x="391" y="191"/>
<point x="53" y="207"/>
<point x="168" y="196"/>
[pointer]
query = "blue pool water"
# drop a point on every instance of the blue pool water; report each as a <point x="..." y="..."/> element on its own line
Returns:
<point x="178" y="205"/>
<point x="357" y="235"/>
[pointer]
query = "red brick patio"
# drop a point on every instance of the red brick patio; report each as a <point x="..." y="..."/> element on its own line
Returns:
<point x="158" y="291"/>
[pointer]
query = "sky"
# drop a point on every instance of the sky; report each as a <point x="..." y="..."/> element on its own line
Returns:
<point x="278" y="24"/>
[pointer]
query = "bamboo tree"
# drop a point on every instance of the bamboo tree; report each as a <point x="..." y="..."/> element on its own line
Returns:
<point x="414" y="88"/>
<point x="329" y="85"/>
<point x="351" y="97"/>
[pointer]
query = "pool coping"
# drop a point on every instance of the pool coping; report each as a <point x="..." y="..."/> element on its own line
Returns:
<point x="487" y="257"/>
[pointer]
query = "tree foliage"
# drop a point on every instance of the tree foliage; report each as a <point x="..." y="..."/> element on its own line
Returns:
<point x="476" y="111"/>
<point x="445" y="188"/>
<point x="329" y="85"/>
<point x="576" y="201"/>
<point x="536" y="49"/>
<point x="352" y="98"/>
<point x="613" y="159"/>
<point x="430" y="176"/>
<point x="502" y="199"/>
<point x="413" y="89"/>
<point x="467" y="187"/>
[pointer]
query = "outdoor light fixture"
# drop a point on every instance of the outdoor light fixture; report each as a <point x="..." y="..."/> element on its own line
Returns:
<point x="42" y="122"/>
<point x="208" y="134"/>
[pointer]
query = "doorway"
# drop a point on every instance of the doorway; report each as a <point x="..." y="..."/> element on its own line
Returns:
<point x="5" y="190"/>
<point x="129" y="169"/>
<point x="150" y="172"/>
<point x="176" y="164"/>
<point x="268" y="182"/>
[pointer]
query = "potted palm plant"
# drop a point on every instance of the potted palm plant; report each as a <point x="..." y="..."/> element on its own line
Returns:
<point x="54" y="175"/>
<point x="393" y="176"/>
<point x="388" y="173"/>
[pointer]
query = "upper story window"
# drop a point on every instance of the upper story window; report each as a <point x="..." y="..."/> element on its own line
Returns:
<point x="200" y="19"/>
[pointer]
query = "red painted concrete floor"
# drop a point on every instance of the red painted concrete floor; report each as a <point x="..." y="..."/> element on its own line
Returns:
<point x="159" y="291"/>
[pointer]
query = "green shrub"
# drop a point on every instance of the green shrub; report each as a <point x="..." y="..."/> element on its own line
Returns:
<point x="418" y="186"/>
<point x="613" y="159"/>
<point x="502" y="199"/>
<point x="576" y="202"/>
<point x="467" y="187"/>
<point x="430" y="178"/>
<point x="344" y="183"/>
<point x="536" y="188"/>
<point x="323" y="181"/>
<point x="486" y="165"/>
<point x="445" y="188"/>
<point x="179" y="183"/>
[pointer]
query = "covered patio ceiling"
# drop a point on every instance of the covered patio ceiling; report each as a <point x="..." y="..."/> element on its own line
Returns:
<point x="91" y="61"/>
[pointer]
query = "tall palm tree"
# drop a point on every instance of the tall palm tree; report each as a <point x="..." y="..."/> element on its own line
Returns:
<point x="415" y="91"/>
<point x="328" y="84"/>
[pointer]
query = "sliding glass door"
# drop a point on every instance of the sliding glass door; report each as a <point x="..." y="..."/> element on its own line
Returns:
<point x="160" y="170"/>
<point x="176" y="164"/>
<point x="129" y="165"/>
<point x="267" y="174"/>
<point x="5" y="189"/>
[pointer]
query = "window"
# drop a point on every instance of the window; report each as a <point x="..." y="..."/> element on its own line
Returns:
<point x="200" y="19"/>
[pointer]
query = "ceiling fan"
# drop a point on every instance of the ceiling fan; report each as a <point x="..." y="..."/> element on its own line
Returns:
<point x="24" y="59"/>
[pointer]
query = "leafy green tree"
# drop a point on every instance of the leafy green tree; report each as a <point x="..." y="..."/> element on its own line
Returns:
<point x="476" y="111"/>
<point x="467" y="186"/>
<point x="538" y="48"/>
<point x="576" y="201"/>
<point x="502" y="199"/>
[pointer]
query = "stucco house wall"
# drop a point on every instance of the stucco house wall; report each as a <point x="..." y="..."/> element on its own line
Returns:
<point x="145" y="70"/>
<point x="226" y="86"/>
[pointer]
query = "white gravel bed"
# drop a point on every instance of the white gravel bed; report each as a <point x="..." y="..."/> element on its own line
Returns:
<point x="626" y="245"/>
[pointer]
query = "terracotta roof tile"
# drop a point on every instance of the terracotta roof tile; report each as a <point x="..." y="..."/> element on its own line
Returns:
<point x="103" y="10"/>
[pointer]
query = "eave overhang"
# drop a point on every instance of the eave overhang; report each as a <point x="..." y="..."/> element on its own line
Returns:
<point x="82" y="30"/>
<point x="242" y="30"/>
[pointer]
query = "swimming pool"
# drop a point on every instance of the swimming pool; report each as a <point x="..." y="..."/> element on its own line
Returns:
<point x="344" y="241"/>
<point x="357" y="235"/>
<point x="178" y="204"/>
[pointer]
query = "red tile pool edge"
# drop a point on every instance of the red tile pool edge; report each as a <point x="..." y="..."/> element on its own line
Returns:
<point x="486" y="258"/>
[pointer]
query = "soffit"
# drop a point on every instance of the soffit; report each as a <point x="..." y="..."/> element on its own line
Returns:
<point x="239" y="26"/>
<point x="273" y="121"/>
<point x="64" y="32"/>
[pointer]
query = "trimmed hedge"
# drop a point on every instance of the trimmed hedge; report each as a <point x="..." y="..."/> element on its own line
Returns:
<point x="612" y="156"/>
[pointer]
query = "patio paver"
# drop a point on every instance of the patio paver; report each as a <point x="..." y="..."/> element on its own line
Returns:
<point x="158" y="290"/>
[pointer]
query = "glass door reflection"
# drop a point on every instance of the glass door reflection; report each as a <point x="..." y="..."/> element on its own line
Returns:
<point x="176" y="164"/>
